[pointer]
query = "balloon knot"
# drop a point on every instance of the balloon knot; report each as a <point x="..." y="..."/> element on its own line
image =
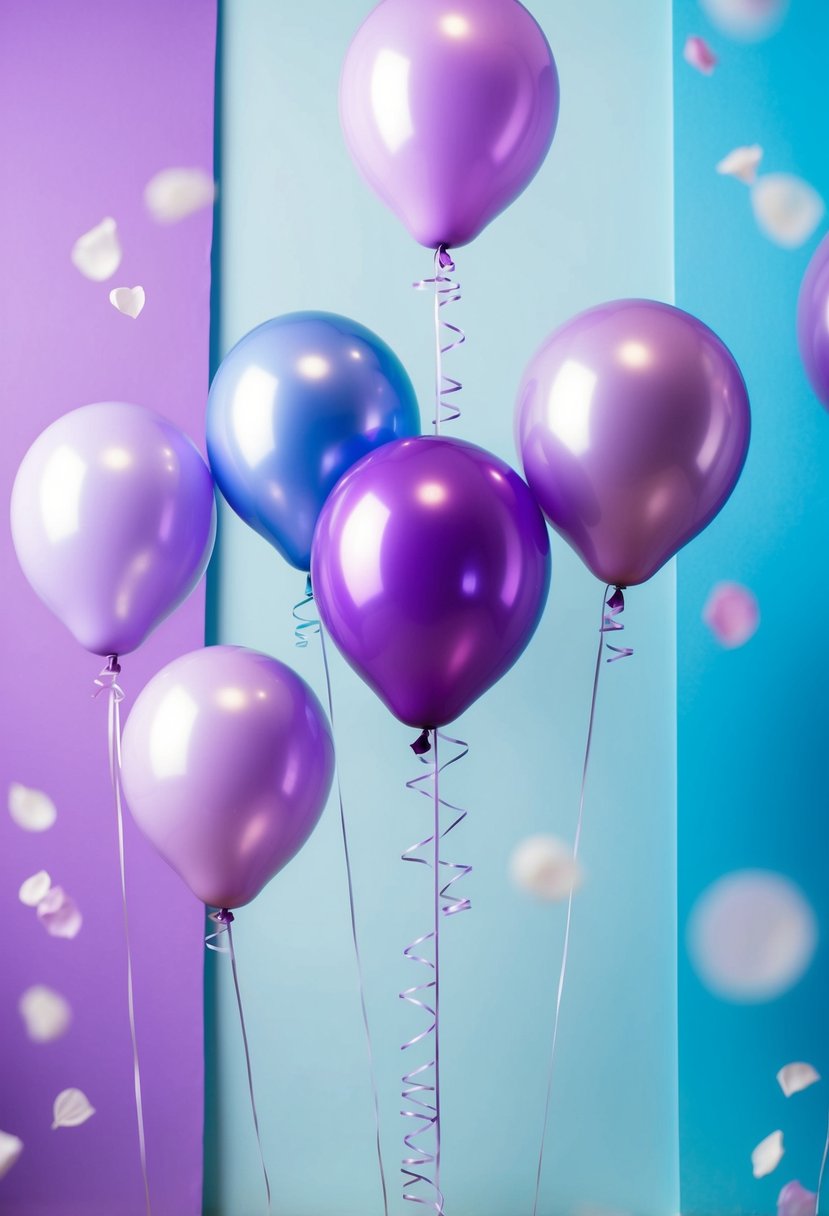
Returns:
<point x="224" y="916"/>
<point x="422" y="743"/>
<point x="309" y="591"/>
<point x="445" y="258"/>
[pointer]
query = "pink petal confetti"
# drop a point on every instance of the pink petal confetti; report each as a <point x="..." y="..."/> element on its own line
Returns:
<point x="698" y="53"/>
<point x="71" y="1109"/>
<point x="46" y="1014"/>
<point x="795" y="1200"/>
<point x="173" y="194"/>
<point x="732" y="614"/>
<point x="746" y="19"/>
<point x="767" y="1155"/>
<point x="31" y="809"/>
<point x="34" y="889"/>
<point x="97" y="254"/>
<point x="59" y="914"/>
<point x="742" y="163"/>
<point x="545" y="867"/>
<point x="787" y="209"/>
<point x="128" y="300"/>
<point x="793" y="1078"/>
<point x="10" y="1149"/>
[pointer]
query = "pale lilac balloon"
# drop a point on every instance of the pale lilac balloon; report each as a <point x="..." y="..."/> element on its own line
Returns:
<point x="227" y="765"/>
<point x="448" y="108"/>
<point x="633" y="424"/>
<point x="113" y="519"/>
<point x="813" y="321"/>
<point x="430" y="567"/>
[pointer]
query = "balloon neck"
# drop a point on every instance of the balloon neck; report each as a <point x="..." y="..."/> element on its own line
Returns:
<point x="224" y="916"/>
<point x="422" y="743"/>
<point x="309" y="590"/>
<point x="444" y="258"/>
<point x="616" y="603"/>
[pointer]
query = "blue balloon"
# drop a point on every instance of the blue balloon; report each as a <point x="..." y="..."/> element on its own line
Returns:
<point x="292" y="407"/>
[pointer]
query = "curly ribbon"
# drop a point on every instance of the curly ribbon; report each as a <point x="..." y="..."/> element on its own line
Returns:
<point x="107" y="680"/>
<point x="306" y="626"/>
<point x="421" y="1096"/>
<point x="224" y="919"/>
<point x="615" y="605"/>
<point x="446" y="291"/>
<point x="822" y="1173"/>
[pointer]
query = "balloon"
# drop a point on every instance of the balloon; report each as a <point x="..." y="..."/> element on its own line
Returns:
<point x="227" y="764"/>
<point x="448" y="108"/>
<point x="633" y="424"/>
<point x="294" y="404"/>
<point x="813" y="321"/>
<point x="431" y="567"/>
<point x="113" y="520"/>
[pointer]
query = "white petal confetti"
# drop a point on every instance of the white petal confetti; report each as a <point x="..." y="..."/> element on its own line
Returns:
<point x="10" y="1149"/>
<point x="746" y="19"/>
<point x="787" y="209"/>
<point x="751" y="936"/>
<point x="34" y="889"/>
<point x="46" y="1014"/>
<point x="173" y="194"/>
<point x="128" y="300"/>
<point x="545" y="867"/>
<point x="699" y="55"/>
<point x="742" y="163"/>
<point x="97" y="254"/>
<point x="72" y="1108"/>
<point x="795" y="1200"/>
<point x="732" y="614"/>
<point x="59" y="914"/>
<point x="767" y="1155"/>
<point x="31" y="809"/>
<point x="792" y="1078"/>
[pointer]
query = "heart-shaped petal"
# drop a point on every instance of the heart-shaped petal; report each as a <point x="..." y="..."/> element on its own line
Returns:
<point x="46" y="1014"/>
<point x="795" y="1200"/>
<point x="732" y="614"/>
<point x="545" y="867"/>
<point x="10" y="1149"/>
<point x="31" y="809"/>
<point x="792" y="1078"/>
<point x="59" y="914"/>
<point x="173" y="194"/>
<point x="97" y="254"/>
<point x="742" y="163"/>
<point x="34" y="889"/>
<point x="699" y="55"/>
<point x="128" y="300"/>
<point x="72" y="1108"/>
<point x="767" y="1155"/>
<point x="787" y="209"/>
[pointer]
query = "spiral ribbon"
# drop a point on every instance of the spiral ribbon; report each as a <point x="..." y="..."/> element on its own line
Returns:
<point x="107" y="680"/>
<point x="610" y="624"/>
<point x="447" y="291"/>
<point x="421" y="1085"/>
<point x="822" y="1173"/>
<point x="307" y="625"/>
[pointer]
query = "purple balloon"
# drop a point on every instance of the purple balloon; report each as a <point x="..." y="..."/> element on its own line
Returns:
<point x="448" y="108"/>
<point x="227" y="765"/>
<point x="633" y="423"/>
<point x="813" y="321"/>
<point x="430" y="568"/>
<point x="113" y="519"/>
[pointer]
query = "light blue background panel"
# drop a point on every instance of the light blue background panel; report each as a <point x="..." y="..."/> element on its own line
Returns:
<point x="299" y="229"/>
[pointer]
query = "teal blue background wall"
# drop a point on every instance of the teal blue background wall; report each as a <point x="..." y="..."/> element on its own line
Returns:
<point x="299" y="229"/>
<point x="751" y="723"/>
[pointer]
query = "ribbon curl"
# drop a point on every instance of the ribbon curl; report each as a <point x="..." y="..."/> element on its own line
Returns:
<point x="446" y="291"/>
<point x="306" y="626"/>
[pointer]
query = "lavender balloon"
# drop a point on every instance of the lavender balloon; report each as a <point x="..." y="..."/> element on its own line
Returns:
<point x="431" y="567"/>
<point x="227" y="765"/>
<point x="813" y="321"/>
<point x="448" y="108"/>
<point x="113" y="519"/>
<point x="633" y="425"/>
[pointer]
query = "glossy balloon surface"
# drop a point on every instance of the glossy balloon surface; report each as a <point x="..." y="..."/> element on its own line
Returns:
<point x="813" y="322"/>
<point x="227" y="765"/>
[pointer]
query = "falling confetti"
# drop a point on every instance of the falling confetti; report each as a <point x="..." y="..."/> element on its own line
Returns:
<point x="767" y="1155"/>
<point x="97" y="254"/>
<point x="748" y="20"/>
<point x="787" y="209"/>
<point x="31" y="809"/>
<point x="751" y="936"/>
<point x="72" y="1108"/>
<point x="795" y="1200"/>
<point x="793" y="1078"/>
<point x="545" y="867"/>
<point x="34" y="889"/>
<point x="46" y="1014"/>
<point x="10" y="1149"/>
<point x="698" y="53"/>
<point x="59" y="914"/>
<point x="128" y="300"/>
<point x="173" y="194"/>
<point x="732" y="614"/>
<point x="742" y="163"/>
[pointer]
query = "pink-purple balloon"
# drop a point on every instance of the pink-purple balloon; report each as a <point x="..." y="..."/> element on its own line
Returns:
<point x="430" y="568"/>
<point x="448" y="108"/>
<point x="813" y="321"/>
<point x="227" y="765"/>
<point x="633" y="424"/>
<point x="113" y="519"/>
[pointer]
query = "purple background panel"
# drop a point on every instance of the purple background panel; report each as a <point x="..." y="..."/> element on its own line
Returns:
<point x="96" y="97"/>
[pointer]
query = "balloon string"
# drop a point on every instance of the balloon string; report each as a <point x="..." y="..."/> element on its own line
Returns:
<point x="355" y="939"/>
<point x="307" y="625"/>
<point x="446" y="291"/>
<point x="822" y="1173"/>
<point x="609" y="624"/>
<point x="421" y="1096"/>
<point x="224" y="918"/>
<point x="107" y="680"/>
